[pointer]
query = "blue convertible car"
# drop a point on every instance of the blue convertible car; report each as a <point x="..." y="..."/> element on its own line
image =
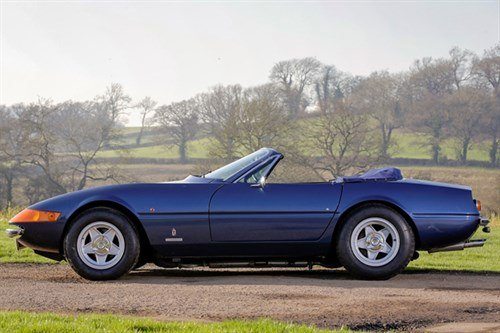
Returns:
<point x="372" y="224"/>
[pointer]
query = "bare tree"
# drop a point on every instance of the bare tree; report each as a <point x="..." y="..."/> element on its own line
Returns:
<point x="114" y="102"/>
<point x="342" y="142"/>
<point x="146" y="108"/>
<point x="331" y="86"/>
<point x="83" y="133"/>
<point x="294" y="76"/>
<point x="179" y="121"/>
<point x="460" y="64"/>
<point x="382" y="96"/>
<point x="59" y="144"/>
<point x="339" y="139"/>
<point x="432" y="81"/>
<point x="8" y="167"/>
<point x="220" y="110"/>
<point x="487" y="68"/>
<point x="263" y="119"/>
<point x="466" y="107"/>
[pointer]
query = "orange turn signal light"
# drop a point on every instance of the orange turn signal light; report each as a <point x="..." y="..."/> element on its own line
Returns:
<point x="32" y="215"/>
<point x="478" y="205"/>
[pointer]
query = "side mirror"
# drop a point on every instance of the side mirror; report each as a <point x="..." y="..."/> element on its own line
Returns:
<point x="261" y="183"/>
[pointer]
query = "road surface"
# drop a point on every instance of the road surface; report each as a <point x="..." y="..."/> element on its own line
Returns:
<point x="327" y="298"/>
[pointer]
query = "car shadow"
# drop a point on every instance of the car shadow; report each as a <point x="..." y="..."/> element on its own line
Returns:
<point x="411" y="278"/>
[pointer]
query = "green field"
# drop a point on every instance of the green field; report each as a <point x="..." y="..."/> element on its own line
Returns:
<point x="26" y="322"/>
<point x="409" y="145"/>
<point x="483" y="259"/>
<point x="412" y="145"/>
<point x="196" y="149"/>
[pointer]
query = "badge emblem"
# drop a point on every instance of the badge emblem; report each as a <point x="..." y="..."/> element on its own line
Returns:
<point x="174" y="232"/>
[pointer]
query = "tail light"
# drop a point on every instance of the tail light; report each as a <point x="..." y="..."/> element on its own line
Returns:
<point x="478" y="204"/>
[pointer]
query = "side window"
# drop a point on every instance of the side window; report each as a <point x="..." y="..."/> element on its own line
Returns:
<point x="254" y="176"/>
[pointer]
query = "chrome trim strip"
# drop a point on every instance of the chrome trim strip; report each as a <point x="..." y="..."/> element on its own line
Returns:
<point x="178" y="239"/>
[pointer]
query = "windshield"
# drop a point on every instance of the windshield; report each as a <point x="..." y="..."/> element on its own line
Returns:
<point x="231" y="169"/>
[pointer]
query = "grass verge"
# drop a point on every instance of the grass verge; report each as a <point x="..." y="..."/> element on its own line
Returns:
<point x="27" y="322"/>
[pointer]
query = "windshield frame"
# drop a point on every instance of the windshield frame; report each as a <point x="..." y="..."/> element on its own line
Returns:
<point x="273" y="160"/>
<point x="235" y="176"/>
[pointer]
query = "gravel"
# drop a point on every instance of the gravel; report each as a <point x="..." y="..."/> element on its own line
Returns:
<point x="327" y="298"/>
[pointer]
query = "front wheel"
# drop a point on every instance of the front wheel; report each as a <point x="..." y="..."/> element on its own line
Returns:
<point x="102" y="244"/>
<point x="375" y="242"/>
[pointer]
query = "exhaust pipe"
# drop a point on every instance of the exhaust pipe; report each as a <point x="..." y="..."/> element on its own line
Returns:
<point x="459" y="246"/>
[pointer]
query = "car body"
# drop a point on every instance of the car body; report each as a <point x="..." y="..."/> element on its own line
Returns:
<point x="239" y="219"/>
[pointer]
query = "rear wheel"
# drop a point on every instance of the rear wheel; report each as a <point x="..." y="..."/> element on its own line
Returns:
<point x="102" y="244"/>
<point x="375" y="242"/>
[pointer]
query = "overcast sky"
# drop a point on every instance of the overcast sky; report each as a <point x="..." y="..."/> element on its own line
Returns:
<point x="173" y="50"/>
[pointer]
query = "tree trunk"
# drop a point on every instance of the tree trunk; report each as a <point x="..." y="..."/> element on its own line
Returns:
<point x="9" y="180"/>
<point x="465" y="150"/>
<point x="139" y="136"/>
<point x="435" y="153"/>
<point x="494" y="150"/>
<point x="436" y="147"/>
<point x="141" y="132"/>
<point x="182" y="152"/>
<point x="386" y="141"/>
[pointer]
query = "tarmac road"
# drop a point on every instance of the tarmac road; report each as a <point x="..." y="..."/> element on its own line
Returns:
<point x="327" y="298"/>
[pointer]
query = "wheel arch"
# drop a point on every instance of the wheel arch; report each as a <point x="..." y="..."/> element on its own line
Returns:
<point x="143" y="238"/>
<point x="360" y="205"/>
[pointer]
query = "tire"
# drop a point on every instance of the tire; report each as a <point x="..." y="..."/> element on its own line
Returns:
<point x="102" y="244"/>
<point x="140" y="263"/>
<point x="387" y="238"/>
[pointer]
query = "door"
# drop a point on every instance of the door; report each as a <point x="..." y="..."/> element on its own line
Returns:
<point x="275" y="212"/>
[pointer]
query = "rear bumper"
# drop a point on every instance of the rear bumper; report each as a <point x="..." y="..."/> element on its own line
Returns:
<point x="440" y="230"/>
<point x="469" y="243"/>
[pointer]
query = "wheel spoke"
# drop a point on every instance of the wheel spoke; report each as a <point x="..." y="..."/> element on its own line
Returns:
<point x="385" y="248"/>
<point x="372" y="255"/>
<point x="101" y="258"/>
<point x="369" y="230"/>
<point x="87" y="249"/>
<point x="110" y="235"/>
<point x="114" y="250"/>
<point x="94" y="233"/>
<point x="362" y="243"/>
<point x="385" y="232"/>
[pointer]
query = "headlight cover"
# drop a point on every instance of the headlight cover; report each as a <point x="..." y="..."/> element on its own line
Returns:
<point x="31" y="215"/>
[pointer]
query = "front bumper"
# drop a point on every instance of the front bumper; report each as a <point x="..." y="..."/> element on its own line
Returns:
<point x="39" y="236"/>
<point x="12" y="233"/>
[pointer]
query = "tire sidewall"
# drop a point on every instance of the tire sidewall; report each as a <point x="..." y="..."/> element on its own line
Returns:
<point x="120" y="221"/>
<point x="396" y="265"/>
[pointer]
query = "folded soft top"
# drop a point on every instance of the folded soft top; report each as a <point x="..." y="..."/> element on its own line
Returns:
<point x="382" y="174"/>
